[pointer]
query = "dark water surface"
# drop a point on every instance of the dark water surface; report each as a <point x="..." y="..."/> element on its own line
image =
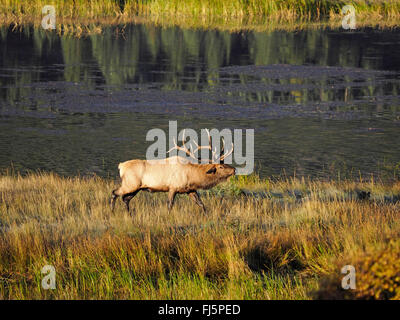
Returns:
<point x="319" y="100"/>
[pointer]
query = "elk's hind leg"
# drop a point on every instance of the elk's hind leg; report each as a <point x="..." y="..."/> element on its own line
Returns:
<point x="128" y="197"/>
<point x="125" y="193"/>
<point x="196" y="198"/>
<point x="114" y="196"/>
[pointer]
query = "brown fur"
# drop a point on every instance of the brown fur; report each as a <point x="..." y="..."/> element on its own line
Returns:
<point x="173" y="175"/>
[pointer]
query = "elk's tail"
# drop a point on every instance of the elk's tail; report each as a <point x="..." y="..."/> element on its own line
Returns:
<point x="121" y="168"/>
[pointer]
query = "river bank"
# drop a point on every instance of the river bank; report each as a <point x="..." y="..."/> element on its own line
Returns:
<point x="79" y="17"/>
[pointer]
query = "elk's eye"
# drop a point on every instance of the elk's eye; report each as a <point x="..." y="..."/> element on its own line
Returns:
<point x="213" y="170"/>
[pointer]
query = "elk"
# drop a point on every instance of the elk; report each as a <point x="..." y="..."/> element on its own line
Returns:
<point x="174" y="175"/>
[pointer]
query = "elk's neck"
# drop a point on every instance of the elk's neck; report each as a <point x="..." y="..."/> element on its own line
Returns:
<point x="204" y="180"/>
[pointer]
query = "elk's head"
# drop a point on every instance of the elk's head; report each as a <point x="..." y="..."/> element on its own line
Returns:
<point x="221" y="171"/>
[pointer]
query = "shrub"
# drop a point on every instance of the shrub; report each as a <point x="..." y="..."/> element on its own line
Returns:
<point x="377" y="277"/>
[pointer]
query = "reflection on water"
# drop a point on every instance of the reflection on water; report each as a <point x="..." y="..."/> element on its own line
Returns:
<point x="316" y="98"/>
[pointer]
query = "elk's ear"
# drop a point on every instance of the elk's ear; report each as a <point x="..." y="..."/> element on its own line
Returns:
<point x="212" y="170"/>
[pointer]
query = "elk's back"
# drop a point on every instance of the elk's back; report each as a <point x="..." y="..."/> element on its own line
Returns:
<point x="157" y="175"/>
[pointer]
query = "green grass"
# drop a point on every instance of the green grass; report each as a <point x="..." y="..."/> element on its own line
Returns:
<point x="276" y="246"/>
<point x="229" y="15"/>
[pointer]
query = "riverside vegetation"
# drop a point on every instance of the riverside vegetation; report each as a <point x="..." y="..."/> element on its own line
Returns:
<point x="283" y="238"/>
<point x="79" y="16"/>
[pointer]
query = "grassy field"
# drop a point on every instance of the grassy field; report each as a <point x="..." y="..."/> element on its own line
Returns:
<point x="261" y="239"/>
<point x="228" y="15"/>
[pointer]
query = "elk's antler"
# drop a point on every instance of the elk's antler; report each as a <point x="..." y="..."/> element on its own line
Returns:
<point x="209" y="147"/>
<point x="214" y="157"/>
<point x="183" y="148"/>
<point x="224" y="155"/>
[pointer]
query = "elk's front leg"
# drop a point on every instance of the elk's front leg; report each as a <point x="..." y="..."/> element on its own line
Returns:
<point x="196" y="198"/>
<point x="171" y="198"/>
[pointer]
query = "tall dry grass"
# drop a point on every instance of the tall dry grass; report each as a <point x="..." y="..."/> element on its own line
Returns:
<point x="261" y="239"/>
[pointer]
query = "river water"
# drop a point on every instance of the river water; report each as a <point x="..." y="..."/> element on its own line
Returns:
<point x="320" y="101"/>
